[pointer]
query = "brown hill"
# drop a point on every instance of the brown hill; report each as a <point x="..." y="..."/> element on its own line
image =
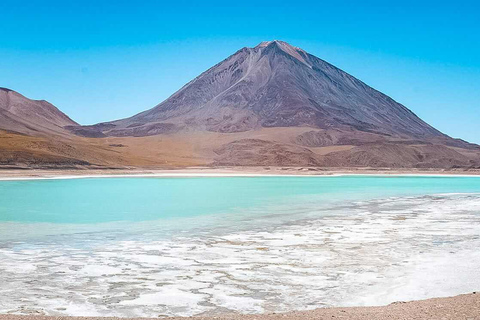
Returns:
<point x="31" y="117"/>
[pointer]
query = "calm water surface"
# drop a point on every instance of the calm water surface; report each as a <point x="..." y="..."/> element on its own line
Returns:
<point x="98" y="200"/>
<point x="186" y="246"/>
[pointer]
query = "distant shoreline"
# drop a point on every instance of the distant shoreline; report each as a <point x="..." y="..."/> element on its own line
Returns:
<point x="34" y="174"/>
<point x="461" y="307"/>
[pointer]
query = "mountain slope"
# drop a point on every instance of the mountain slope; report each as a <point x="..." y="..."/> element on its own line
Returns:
<point x="275" y="85"/>
<point x="33" y="135"/>
<point x="31" y="117"/>
<point x="271" y="105"/>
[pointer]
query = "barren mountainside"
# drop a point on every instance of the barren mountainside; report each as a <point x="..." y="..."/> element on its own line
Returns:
<point x="275" y="85"/>
<point x="270" y="105"/>
<point x="31" y="117"/>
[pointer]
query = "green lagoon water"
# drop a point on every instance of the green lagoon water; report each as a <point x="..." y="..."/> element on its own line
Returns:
<point x="144" y="247"/>
<point x="99" y="200"/>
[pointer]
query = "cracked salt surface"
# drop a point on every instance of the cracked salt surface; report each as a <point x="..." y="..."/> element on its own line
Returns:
<point x="364" y="253"/>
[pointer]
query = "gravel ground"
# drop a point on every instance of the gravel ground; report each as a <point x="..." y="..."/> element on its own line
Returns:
<point x="460" y="307"/>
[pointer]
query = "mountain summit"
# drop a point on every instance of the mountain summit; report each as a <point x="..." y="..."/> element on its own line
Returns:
<point x="270" y="105"/>
<point x="275" y="85"/>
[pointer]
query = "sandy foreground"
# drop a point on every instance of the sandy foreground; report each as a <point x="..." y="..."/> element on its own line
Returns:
<point x="10" y="174"/>
<point x="462" y="307"/>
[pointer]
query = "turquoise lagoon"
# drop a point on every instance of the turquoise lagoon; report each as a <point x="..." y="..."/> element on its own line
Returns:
<point x="99" y="200"/>
<point x="150" y="246"/>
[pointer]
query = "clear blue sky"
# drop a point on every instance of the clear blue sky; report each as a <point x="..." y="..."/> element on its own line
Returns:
<point x="104" y="60"/>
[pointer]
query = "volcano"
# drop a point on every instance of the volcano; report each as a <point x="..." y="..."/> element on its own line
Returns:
<point x="275" y="105"/>
<point x="275" y="85"/>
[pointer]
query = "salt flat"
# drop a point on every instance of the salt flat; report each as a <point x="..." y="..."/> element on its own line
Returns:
<point x="335" y="241"/>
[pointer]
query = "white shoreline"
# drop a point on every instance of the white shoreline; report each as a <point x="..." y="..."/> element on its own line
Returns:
<point x="230" y="175"/>
<point x="312" y="234"/>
